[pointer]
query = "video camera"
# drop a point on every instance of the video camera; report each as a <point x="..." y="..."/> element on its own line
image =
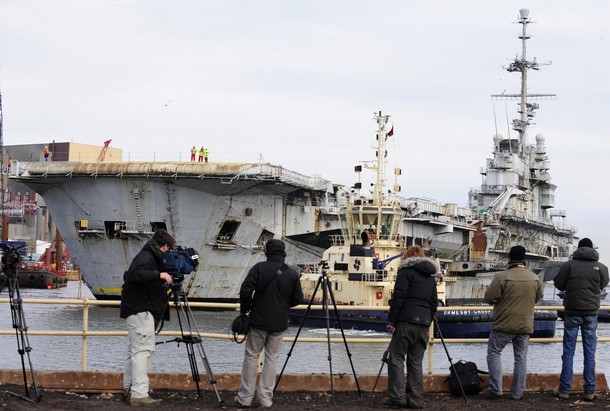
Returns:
<point x="179" y="262"/>
<point x="11" y="257"/>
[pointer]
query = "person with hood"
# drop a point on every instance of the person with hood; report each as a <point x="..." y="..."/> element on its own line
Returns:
<point x="583" y="278"/>
<point x="143" y="304"/>
<point x="412" y="309"/>
<point x="513" y="293"/>
<point x="267" y="293"/>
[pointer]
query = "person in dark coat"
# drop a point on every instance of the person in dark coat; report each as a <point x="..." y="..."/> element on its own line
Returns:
<point x="267" y="293"/>
<point x="412" y="309"/>
<point x="582" y="278"/>
<point x="143" y="303"/>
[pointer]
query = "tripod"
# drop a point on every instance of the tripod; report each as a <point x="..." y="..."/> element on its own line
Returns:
<point x="326" y="292"/>
<point x="438" y="329"/>
<point x="192" y="340"/>
<point x="10" y="259"/>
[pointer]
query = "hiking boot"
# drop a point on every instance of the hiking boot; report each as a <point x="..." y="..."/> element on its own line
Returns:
<point x="143" y="402"/>
<point x="589" y="396"/>
<point x="560" y="394"/>
<point x="392" y="403"/>
<point x="491" y="395"/>
<point x="416" y="405"/>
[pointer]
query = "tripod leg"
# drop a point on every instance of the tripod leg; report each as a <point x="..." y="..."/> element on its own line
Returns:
<point x="349" y="354"/>
<point x="325" y="289"/>
<point x="307" y="311"/>
<point x="440" y="334"/>
<point x="193" y="339"/>
<point x="23" y="345"/>
<point x="384" y="360"/>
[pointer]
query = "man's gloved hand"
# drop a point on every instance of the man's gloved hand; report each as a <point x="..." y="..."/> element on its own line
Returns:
<point x="391" y="328"/>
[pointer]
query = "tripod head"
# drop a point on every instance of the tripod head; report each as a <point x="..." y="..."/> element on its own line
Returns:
<point x="324" y="268"/>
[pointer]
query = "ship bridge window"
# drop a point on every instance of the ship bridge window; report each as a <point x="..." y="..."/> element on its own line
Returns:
<point x="228" y="230"/>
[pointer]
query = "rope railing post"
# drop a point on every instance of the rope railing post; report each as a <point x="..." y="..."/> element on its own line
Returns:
<point x="85" y="331"/>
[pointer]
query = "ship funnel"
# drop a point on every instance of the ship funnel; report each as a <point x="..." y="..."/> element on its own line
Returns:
<point x="524" y="14"/>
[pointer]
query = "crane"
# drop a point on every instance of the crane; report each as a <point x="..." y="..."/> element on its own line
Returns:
<point x="102" y="155"/>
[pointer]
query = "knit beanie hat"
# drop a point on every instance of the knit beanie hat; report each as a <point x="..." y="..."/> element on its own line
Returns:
<point x="585" y="242"/>
<point x="275" y="247"/>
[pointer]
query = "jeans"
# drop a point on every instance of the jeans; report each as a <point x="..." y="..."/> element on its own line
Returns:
<point x="410" y="340"/>
<point x="497" y="342"/>
<point x="588" y="329"/>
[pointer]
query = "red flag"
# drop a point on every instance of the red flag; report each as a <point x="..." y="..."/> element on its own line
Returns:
<point x="391" y="133"/>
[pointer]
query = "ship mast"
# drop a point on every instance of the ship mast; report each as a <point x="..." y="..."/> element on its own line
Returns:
<point x="522" y="65"/>
<point x="381" y="158"/>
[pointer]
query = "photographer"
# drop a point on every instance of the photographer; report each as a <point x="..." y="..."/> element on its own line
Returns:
<point x="143" y="302"/>
<point x="268" y="292"/>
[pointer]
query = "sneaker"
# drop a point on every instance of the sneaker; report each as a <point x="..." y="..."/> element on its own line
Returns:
<point x="392" y="403"/>
<point x="491" y="395"/>
<point x="239" y="404"/>
<point x="589" y="396"/>
<point x="560" y="394"/>
<point x="143" y="402"/>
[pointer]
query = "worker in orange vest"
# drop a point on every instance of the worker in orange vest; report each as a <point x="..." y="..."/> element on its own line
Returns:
<point x="193" y="153"/>
<point x="10" y="163"/>
<point x="46" y="153"/>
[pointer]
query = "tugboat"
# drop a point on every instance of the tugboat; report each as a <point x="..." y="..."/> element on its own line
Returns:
<point x="362" y="264"/>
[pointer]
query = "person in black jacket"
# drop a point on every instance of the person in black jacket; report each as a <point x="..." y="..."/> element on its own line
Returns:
<point x="582" y="278"/>
<point x="268" y="292"/>
<point x="143" y="303"/>
<point x="412" y="309"/>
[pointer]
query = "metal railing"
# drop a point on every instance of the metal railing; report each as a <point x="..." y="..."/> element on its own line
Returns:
<point x="85" y="333"/>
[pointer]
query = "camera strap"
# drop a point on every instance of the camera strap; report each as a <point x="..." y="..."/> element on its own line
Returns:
<point x="279" y="272"/>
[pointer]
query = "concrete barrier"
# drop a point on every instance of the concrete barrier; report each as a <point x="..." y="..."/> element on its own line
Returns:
<point x="96" y="381"/>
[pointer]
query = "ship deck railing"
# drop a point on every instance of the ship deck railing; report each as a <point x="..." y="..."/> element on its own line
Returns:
<point x="85" y="333"/>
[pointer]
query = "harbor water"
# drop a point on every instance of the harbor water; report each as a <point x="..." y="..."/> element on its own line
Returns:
<point x="224" y="356"/>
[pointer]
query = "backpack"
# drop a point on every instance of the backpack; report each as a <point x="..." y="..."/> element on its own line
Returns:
<point x="468" y="375"/>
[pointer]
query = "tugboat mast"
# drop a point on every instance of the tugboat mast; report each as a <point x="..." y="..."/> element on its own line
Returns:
<point x="381" y="158"/>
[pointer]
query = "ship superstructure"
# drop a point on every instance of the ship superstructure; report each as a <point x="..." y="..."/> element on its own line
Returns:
<point x="516" y="200"/>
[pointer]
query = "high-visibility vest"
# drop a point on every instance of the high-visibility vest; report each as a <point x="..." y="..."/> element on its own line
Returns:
<point x="201" y="151"/>
<point x="206" y="152"/>
<point x="193" y="150"/>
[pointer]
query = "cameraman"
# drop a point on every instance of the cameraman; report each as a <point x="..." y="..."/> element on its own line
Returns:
<point x="143" y="301"/>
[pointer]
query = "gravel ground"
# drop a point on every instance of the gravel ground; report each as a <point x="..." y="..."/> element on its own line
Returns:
<point x="291" y="401"/>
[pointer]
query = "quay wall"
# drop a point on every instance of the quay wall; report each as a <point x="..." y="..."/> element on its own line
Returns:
<point x="96" y="381"/>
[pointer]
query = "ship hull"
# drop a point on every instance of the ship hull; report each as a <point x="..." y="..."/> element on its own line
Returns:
<point x="453" y="324"/>
<point x="106" y="217"/>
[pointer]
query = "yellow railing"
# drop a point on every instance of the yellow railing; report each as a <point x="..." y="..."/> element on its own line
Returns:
<point x="85" y="333"/>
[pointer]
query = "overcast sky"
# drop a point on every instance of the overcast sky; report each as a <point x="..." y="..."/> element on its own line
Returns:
<point x="296" y="83"/>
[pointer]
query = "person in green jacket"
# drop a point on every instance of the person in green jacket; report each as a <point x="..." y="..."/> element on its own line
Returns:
<point x="513" y="293"/>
